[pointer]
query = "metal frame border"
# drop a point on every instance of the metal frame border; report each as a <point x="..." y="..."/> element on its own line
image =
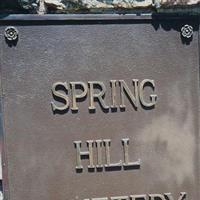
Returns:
<point x="94" y="17"/>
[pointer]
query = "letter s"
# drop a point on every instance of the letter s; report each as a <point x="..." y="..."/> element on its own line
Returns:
<point x="63" y="97"/>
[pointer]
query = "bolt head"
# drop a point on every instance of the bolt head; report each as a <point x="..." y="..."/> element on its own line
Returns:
<point x="187" y="31"/>
<point x="11" y="33"/>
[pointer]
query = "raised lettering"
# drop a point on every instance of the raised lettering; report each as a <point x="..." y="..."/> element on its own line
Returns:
<point x="125" y="88"/>
<point x="80" y="154"/>
<point x="60" y="95"/>
<point x="108" y="164"/>
<point x="99" y="153"/>
<point x="153" y="97"/>
<point x="126" y="163"/>
<point x="76" y="96"/>
<point x="181" y="197"/>
<point x="138" y="197"/>
<point x="156" y="197"/>
<point x="98" y="96"/>
<point x="119" y="198"/>
<point x="113" y="93"/>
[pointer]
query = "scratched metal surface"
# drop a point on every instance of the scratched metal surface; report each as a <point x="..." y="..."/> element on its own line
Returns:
<point x="40" y="155"/>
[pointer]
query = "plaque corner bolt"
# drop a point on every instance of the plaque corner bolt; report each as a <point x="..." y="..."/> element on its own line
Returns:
<point x="187" y="31"/>
<point x="11" y="33"/>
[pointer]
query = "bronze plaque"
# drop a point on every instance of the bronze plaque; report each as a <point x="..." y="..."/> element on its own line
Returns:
<point x="100" y="107"/>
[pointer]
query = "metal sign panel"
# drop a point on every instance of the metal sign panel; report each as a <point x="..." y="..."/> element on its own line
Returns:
<point x="100" y="107"/>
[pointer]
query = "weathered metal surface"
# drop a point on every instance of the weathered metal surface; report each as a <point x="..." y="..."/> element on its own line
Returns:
<point x="42" y="156"/>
